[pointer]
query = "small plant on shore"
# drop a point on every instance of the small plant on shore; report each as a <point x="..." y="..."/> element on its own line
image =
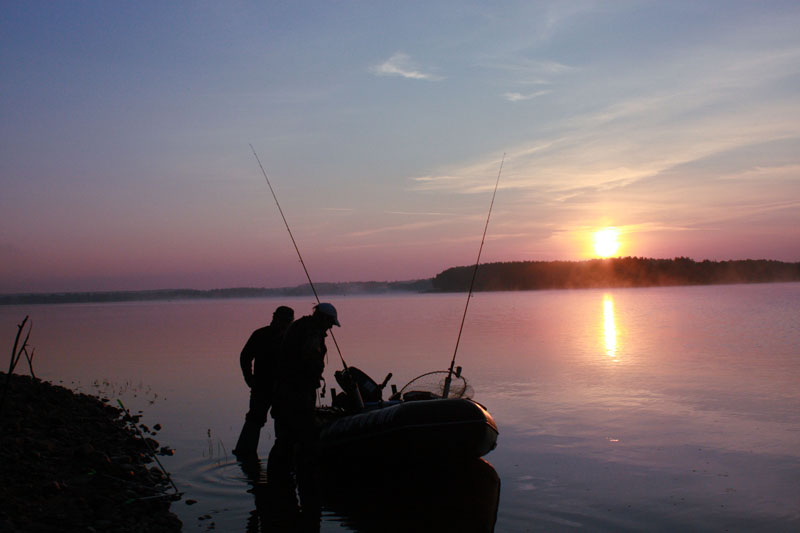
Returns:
<point x="16" y="354"/>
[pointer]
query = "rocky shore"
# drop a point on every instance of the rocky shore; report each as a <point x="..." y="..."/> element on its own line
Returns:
<point x="71" y="462"/>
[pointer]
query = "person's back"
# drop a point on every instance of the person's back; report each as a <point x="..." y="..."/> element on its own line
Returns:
<point x="302" y="357"/>
<point x="258" y="361"/>
<point x="260" y="356"/>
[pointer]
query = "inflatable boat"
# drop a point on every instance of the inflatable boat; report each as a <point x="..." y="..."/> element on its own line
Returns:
<point x="414" y="423"/>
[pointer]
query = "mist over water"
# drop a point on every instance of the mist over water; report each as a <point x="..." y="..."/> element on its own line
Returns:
<point x="657" y="409"/>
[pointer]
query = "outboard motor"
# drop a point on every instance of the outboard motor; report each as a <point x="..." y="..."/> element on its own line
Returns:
<point x="370" y="391"/>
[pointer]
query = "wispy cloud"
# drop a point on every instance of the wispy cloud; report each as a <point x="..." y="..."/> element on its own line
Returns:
<point x="455" y="180"/>
<point x="398" y="227"/>
<point x="467" y="182"/>
<point x="414" y="240"/>
<point x="400" y="64"/>
<point x="632" y="139"/>
<point x="558" y="15"/>
<point x="519" y="97"/>
<point x="526" y="70"/>
<point x="419" y="213"/>
<point x="783" y="173"/>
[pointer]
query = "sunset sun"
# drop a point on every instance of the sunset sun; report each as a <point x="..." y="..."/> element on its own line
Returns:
<point x="606" y="242"/>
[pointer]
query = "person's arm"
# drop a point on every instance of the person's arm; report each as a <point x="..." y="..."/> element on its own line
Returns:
<point x="246" y="360"/>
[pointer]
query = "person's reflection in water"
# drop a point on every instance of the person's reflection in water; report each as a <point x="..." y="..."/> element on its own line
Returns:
<point x="275" y="494"/>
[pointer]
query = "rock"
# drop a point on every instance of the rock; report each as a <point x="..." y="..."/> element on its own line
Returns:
<point x="51" y="487"/>
<point x="84" y="450"/>
<point x="55" y="468"/>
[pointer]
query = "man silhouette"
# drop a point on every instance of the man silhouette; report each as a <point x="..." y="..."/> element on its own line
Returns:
<point x="259" y="359"/>
<point x="302" y="362"/>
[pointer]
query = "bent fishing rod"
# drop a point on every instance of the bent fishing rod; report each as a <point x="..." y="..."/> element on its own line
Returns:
<point x="296" y="249"/>
<point x="449" y="378"/>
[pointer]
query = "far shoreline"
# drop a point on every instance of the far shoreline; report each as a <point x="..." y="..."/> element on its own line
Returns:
<point x="613" y="273"/>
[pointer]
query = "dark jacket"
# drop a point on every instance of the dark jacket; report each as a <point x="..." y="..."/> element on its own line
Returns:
<point x="302" y="362"/>
<point x="259" y="358"/>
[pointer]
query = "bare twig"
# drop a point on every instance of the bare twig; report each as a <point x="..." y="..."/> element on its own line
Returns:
<point x="29" y="357"/>
<point x="15" y="357"/>
<point x="149" y="447"/>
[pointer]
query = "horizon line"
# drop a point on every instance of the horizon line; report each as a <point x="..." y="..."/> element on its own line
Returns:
<point x="414" y="280"/>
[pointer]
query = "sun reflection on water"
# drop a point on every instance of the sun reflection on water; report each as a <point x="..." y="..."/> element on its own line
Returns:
<point x="609" y="326"/>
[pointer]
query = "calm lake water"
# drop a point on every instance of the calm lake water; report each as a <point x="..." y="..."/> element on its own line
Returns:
<point x="658" y="409"/>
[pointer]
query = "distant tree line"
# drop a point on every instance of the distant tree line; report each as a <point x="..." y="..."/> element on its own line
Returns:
<point x="617" y="272"/>
<point x="359" y="287"/>
<point x="508" y="276"/>
<point x="344" y="288"/>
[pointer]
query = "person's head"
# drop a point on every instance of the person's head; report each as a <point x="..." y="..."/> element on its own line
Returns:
<point x="283" y="316"/>
<point x="326" y="314"/>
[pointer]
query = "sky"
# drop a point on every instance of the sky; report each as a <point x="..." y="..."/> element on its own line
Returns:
<point x="125" y="133"/>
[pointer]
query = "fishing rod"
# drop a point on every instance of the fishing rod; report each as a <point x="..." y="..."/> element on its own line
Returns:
<point x="449" y="378"/>
<point x="308" y="277"/>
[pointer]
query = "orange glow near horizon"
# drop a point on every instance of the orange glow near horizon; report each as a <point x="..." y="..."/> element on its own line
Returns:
<point x="606" y="242"/>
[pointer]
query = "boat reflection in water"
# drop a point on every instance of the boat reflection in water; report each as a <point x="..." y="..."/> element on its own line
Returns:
<point x="444" y="496"/>
<point x="403" y="496"/>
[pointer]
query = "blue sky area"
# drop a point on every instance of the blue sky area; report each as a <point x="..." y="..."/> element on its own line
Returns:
<point x="125" y="131"/>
